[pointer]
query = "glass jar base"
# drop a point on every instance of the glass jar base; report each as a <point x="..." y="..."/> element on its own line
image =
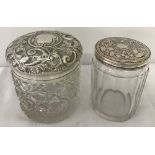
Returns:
<point x="48" y="120"/>
<point x="51" y="117"/>
<point x="114" y="119"/>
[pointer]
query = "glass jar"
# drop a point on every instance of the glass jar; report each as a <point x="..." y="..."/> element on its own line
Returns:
<point x="45" y="67"/>
<point x="119" y="71"/>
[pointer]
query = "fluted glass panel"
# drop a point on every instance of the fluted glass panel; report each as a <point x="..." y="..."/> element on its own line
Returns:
<point x="116" y="92"/>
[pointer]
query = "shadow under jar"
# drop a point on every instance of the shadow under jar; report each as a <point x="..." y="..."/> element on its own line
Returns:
<point x="45" y="67"/>
<point x="119" y="71"/>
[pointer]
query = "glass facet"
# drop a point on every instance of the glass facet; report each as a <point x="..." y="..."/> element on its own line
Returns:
<point x="116" y="92"/>
<point x="48" y="101"/>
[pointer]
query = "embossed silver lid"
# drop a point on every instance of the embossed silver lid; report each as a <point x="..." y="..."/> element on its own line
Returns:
<point x="122" y="52"/>
<point x="44" y="53"/>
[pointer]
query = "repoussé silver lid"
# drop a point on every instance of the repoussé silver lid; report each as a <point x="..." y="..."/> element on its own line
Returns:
<point x="44" y="53"/>
<point x="122" y="52"/>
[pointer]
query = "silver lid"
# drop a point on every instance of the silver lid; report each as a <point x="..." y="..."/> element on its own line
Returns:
<point x="122" y="52"/>
<point x="44" y="53"/>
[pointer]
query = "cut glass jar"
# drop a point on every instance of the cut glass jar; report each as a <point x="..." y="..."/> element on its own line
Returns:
<point x="45" y="67"/>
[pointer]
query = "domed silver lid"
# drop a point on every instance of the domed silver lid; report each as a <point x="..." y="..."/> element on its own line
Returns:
<point x="44" y="53"/>
<point x="122" y="52"/>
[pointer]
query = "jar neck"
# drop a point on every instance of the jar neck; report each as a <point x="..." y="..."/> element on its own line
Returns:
<point x="119" y="72"/>
<point x="46" y="77"/>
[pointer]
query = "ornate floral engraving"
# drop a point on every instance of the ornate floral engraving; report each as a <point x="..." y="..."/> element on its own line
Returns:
<point x="47" y="101"/>
<point x="43" y="52"/>
<point x="122" y="52"/>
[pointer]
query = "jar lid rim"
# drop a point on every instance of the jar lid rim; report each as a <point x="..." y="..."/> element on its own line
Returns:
<point x="43" y="52"/>
<point x="122" y="52"/>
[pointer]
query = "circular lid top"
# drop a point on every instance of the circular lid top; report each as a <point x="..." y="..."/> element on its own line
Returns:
<point x="44" y="52"/>
<point x="122" y="52"/>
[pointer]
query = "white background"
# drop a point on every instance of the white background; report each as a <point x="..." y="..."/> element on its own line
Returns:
<point x="92" y="141"/>
<point x="10" y="112"/>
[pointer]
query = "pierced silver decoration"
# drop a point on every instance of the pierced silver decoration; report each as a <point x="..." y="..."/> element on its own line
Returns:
<point x="122" y="52"/>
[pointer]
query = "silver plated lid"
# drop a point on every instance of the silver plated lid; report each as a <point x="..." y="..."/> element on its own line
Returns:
<point x="44" y="53"/>
<point x="122" y="52"/>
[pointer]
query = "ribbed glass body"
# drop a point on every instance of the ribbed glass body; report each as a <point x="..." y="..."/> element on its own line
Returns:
<point x="48" y="100"/>
<point x="116" y="92"/>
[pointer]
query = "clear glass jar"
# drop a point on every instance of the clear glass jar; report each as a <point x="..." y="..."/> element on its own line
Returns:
<point x="116" y="91"/>
<point x="48" y="100"/>
<point x="45" y="67"/>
